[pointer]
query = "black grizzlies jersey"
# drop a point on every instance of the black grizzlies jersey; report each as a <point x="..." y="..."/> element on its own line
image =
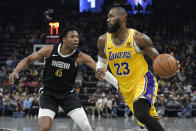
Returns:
<point x="60" y="71"/>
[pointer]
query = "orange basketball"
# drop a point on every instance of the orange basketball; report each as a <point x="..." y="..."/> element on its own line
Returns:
<point x="165" y="65"/>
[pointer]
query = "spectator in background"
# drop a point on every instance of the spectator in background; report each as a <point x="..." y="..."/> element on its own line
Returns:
<point x="187" y="87"/>
<point x="99" y="105"/>
<point x="13" y="103"/>
<point x="166" y="88"/>
<point x="194" y="97"/>
<point x="2" y="72"/>
<point x="178" y="100"/>
<point x="79" y="79"/>
<point x="33" y="71"/>
<point x="91" y="107"/>
<point x="183" y="75"/>
<point x="27" y="105"/>
<point x="115" y="104"/>
<point x="170" y="104"/>
<point x="5" y="105"/>
<point x="108" y="88"/>
<point x="100" y="84"/>
<point x="34" y="107"/>
<point x="19" y="108"/>
<point x="108" y="106"/>
<point x="186" y="111"/>
<point x="9" y="62"/>
<point x="161" y="105"/>
<point x="170" y="101"/>
<point x="180" y="91"/>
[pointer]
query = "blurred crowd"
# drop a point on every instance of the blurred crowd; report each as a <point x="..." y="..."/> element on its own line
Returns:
<point x="170" y="25"/>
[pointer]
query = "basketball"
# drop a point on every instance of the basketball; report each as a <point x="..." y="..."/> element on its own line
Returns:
<point x="165" y="66"/>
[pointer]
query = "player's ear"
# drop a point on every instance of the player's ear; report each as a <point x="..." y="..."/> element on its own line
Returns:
<point x="63" y="39"/>
<point x="122" y="18"/>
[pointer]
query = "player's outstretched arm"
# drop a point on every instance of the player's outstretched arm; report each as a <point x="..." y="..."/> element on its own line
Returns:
<point x="44" y="52"/>
<point x="87" y="60"/>
<point x="145" y="43"/>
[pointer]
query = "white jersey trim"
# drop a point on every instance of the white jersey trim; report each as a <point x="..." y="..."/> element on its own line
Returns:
<point x="59" y="48"/>
<point x="125" y="41"/>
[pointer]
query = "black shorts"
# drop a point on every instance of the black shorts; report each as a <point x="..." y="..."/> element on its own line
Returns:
<point x="67" y="102"/>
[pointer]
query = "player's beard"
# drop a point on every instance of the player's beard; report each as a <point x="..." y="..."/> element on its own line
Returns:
<point x="114" y="27"/>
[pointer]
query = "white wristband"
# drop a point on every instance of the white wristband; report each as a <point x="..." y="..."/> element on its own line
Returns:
<point x="101" y="63"/>
<point x="111" y="79"/>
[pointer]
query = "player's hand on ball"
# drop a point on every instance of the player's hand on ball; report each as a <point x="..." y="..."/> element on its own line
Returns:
<point x="12" y="76"/>
<point x="100" y="73"/>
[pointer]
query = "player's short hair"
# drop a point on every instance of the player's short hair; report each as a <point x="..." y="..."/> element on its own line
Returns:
<point x="64" y="31"/>
<point x="121" y="10"/>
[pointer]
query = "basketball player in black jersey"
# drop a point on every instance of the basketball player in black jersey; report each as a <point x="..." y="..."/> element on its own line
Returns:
<point x="58" y="80"/>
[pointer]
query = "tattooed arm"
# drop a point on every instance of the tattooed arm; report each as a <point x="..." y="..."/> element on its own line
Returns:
<point x="101" y="46"/>
<point x="145" y="43"/>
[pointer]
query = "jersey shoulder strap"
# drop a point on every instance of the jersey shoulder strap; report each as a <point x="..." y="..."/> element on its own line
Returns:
<point x="55" y="49"/>
<point x="76" y="53"/>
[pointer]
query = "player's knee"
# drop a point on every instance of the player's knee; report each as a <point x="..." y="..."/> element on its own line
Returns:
<point x="86" y="126"/>
<point x="44" y="124"/>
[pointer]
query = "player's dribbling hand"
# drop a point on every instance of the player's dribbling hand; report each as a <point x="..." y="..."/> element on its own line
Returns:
<point x="178" y="63"/>
<point x="12" y="76"/>
<point x="100" y="73"/>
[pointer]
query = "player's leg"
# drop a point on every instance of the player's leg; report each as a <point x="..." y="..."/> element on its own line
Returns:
<point x="145" y="97"/>
<point x="141" y="110"/>
<point x="47" y="111"/>
<point x="72" y="107"/>
<point x="79" y="117"/>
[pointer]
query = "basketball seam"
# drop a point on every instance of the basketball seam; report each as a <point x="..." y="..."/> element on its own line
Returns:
<point x="169" y="65"/>
<point x="163" y="68"/>
<point x="162" y="75"/>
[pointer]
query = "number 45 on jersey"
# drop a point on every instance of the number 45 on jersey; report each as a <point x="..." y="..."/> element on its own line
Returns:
<point x="122" y="69"/>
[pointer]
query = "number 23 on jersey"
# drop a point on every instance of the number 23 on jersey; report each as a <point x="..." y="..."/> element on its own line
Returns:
<point x="122" y="69"/>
